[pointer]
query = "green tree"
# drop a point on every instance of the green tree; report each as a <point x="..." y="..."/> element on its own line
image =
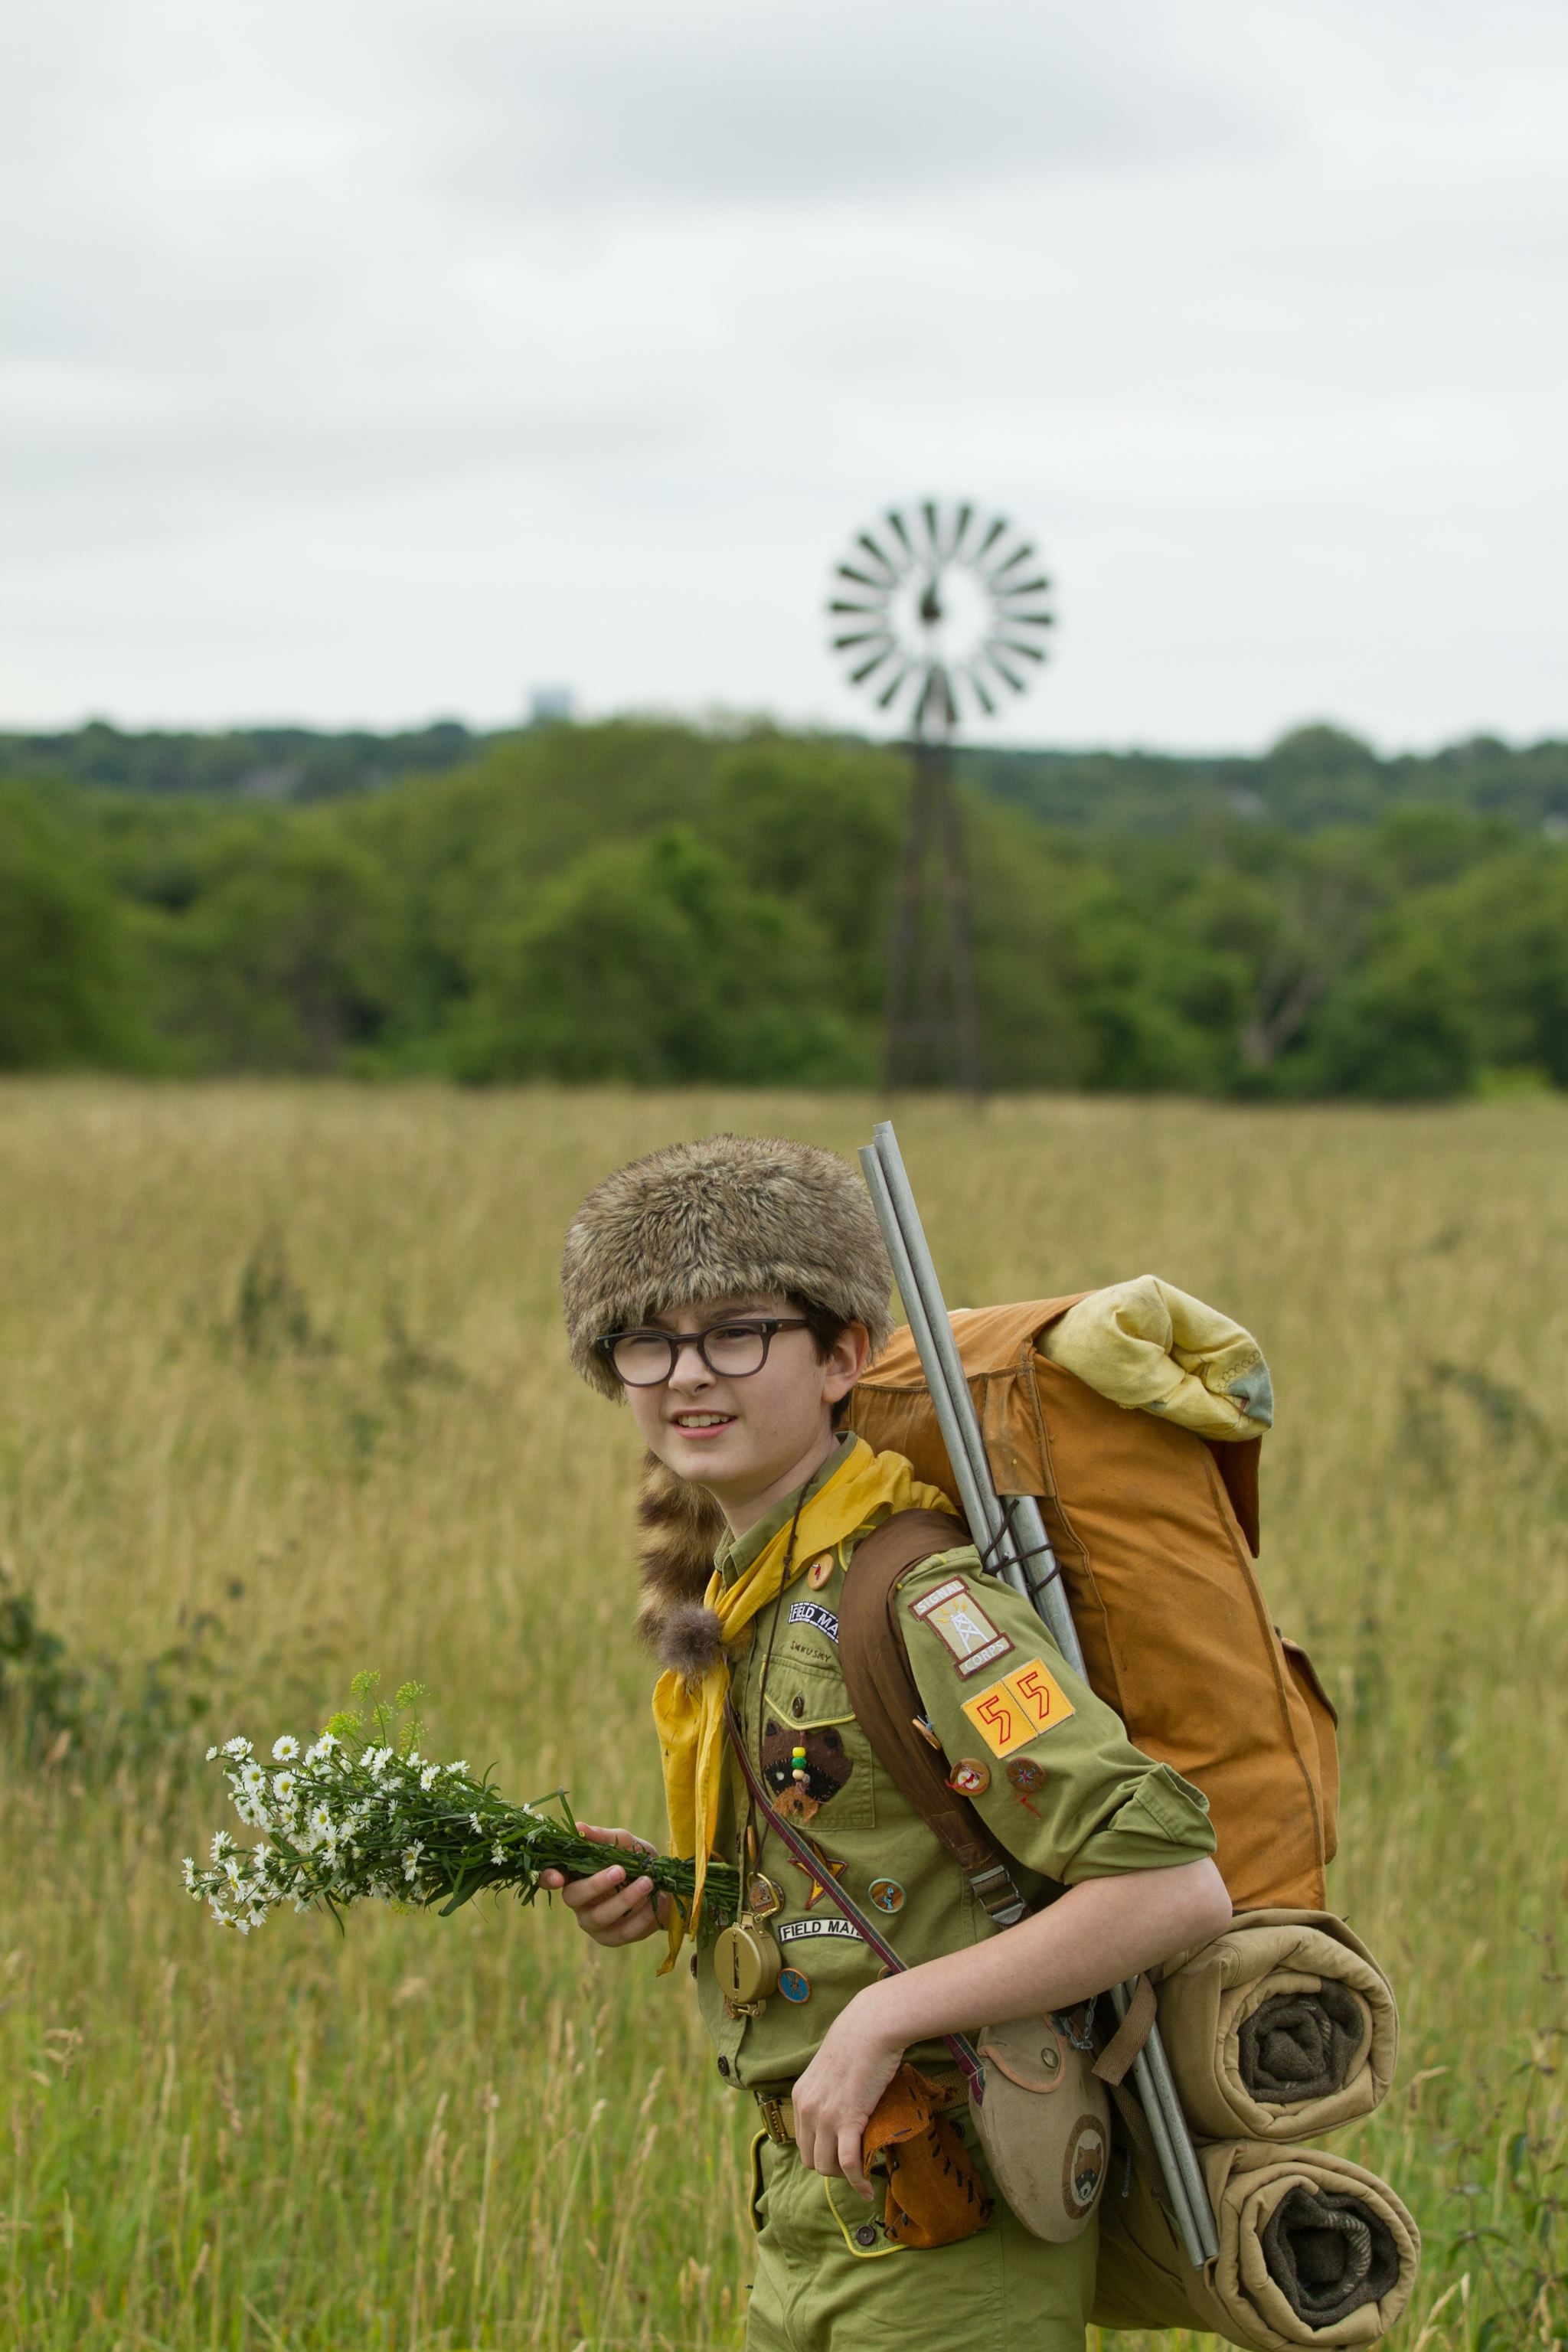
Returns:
<point x="651" y="960"/>
<point x="64" y="971"/>
<point x="282" y="958"/>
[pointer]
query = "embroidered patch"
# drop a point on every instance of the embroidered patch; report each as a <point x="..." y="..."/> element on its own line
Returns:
<point x="801" y="1931"/>
<point x="1019" y="1707"/>
<point x="952" y="1611"/>
<point x="794" y="1985"/>
<point x="819" y="1877"/>
<point x="824" y="1762"/>
<point x="811" y="1612"/>
<point x="888" y="1894"/>
<point x="970" y="1777"/>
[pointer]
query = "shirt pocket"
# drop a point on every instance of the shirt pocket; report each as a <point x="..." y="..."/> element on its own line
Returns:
<point x="807" y="1706"/>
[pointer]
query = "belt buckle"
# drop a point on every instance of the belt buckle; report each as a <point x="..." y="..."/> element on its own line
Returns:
<point x="772" y="2119"/>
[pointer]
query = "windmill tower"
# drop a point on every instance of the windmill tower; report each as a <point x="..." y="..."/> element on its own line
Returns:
<point x="933" y="609"/>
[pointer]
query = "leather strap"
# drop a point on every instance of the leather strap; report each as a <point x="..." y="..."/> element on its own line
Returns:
<point x="961" y="2049"/>
<point x="875" y="1669"/>
<point x="1129" y="2036"/>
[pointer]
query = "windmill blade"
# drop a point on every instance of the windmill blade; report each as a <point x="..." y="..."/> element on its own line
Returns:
<point x="896" y="524"/>
<point x="888" y="693"/>
<point x="989" y="541"/>
<point x="858" y="675"/>
<point x="864" y="637"/>
<point x="847" y="604"/>
<point x="1026" y="619"/>
<point x="933" y="528"/>
<point x="965" y="516"/>
<point x="895" y="572"/>
<point x="878" y="587"/>
<point x="1013" y="645"/>
<point x="1040" y="587"/>
<point x="982" y="693"/>
<point x="1021" y="555"/>
<point x="1000" y="667"/>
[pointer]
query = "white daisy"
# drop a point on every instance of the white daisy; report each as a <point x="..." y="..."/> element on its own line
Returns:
<point x="286" y="1749"/>
<point x="284" y="1786"/>
<point x="237" y="1746"/>
<point x="427" y="1777"/>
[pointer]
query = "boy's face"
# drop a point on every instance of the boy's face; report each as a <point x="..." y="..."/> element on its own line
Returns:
<point x="749" y="1440"/>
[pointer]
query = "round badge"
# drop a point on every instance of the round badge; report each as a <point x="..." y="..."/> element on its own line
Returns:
<point x="1083" y="2166"/>
<point x="886" y="1895"/>
<point x="794" y="1985"/>
<point x="1027" y="1777"/>
<point x="970" y="1777"/>
<point x="817" y="1574"/>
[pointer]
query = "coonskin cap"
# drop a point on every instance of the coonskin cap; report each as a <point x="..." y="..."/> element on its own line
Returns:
<point x="717" y="1219"/>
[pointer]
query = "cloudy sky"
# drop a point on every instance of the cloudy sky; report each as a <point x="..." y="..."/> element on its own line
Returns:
<point x="361" y="363"/>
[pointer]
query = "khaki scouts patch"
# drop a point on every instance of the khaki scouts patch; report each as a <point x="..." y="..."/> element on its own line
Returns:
<point x="1019" y="1707"/>
<point x="952" y="1612"/>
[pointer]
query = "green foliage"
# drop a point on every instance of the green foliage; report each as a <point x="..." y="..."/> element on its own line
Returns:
<point x="62" y="953"/>
<point x="651" y="902"/>
<point x="652" y="960"/>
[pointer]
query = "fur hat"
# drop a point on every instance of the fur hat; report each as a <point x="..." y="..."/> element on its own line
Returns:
<point x="717" y="1219"/>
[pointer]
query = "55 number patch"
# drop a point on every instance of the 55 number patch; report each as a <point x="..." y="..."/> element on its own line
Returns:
<point x="1019" y="1707"/>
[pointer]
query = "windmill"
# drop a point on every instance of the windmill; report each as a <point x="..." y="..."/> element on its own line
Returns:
<point x="939" y="613"/>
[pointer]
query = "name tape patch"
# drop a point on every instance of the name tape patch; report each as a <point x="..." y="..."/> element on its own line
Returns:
<point x="1018" y="1708"/>
<point x="800" y="1931"/>
<point x="952" y="1611"/>
<point x="811" y="1612"/>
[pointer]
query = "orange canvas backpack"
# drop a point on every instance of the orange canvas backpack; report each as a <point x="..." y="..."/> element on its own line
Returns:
<point x="1156" y="1531"/>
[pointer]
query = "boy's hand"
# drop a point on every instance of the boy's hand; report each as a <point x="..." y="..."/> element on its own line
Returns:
<point x="611" y="1906"/>
<point x="835" y="2097"/>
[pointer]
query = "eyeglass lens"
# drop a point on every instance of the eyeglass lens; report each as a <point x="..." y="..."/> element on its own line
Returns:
<point x="643" y="1358"/>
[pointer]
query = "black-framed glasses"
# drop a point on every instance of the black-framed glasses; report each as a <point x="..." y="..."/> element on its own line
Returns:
<point x="641" y="1359"/>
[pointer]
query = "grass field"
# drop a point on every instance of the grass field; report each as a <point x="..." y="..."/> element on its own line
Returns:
<point x="281" y="1394"/>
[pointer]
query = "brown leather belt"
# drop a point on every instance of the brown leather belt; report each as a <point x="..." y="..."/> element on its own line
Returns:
<point x="777" y="2109"/>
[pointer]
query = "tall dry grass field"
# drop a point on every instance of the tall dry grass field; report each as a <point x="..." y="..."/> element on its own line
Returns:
<point x="281" y="1394"/>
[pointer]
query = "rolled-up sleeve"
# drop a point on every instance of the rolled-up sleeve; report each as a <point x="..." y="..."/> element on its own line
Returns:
<point x="1050" y="1765"/>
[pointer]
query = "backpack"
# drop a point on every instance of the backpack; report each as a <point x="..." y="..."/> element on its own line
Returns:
<point x="1155" y="1530"/>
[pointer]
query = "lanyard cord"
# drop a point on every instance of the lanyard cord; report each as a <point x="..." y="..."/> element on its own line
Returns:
<point x="962" y="2051"/>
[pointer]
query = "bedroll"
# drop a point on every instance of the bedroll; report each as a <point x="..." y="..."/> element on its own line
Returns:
<point x="1155" y="1528"/>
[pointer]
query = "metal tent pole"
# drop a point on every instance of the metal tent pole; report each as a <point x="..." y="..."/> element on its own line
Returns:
<point x="1014" y="1541"/>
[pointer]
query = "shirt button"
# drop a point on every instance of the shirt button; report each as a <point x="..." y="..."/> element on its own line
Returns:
<point x="723" y="2065"/>
<point x="797" y="1706"/>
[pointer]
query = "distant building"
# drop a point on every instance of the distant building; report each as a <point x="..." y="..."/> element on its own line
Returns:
<point x="549" y="706"/>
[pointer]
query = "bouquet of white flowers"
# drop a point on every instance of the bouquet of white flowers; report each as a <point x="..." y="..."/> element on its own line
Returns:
<point x="361" y="1815"/>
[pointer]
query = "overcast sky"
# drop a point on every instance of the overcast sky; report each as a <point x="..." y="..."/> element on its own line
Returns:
<point x="361" y="363"/>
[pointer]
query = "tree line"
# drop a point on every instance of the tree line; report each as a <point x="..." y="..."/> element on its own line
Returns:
<point x="649" y="902"/>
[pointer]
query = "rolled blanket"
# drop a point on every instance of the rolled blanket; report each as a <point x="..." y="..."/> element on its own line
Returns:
<point x="1283" y="2028"/>
<point x="1313" y="2251"/>
<point x="1145" y="1343"/>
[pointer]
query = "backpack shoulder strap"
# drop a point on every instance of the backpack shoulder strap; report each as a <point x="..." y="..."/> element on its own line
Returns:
<point x="875" y="1669"/>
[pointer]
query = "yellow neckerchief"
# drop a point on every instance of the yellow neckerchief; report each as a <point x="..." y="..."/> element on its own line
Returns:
<point x="866" y="1487"/>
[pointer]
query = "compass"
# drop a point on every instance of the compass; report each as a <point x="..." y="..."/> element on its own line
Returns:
<point x="941" y="611"/>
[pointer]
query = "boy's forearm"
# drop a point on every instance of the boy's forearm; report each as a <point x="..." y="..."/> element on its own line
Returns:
<point x="1095" y="1935"/>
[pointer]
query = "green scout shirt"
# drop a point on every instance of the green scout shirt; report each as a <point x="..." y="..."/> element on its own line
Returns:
<point x="1102" y="1807"/>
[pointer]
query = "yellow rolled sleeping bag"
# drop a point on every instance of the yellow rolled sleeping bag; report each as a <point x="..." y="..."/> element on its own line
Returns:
<point x="1282" y="2028"/>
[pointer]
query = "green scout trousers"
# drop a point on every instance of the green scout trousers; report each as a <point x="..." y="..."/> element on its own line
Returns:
<point x="828" y="2279"/>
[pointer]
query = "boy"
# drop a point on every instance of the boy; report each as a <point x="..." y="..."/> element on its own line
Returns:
<point x="733" y="1292"/>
